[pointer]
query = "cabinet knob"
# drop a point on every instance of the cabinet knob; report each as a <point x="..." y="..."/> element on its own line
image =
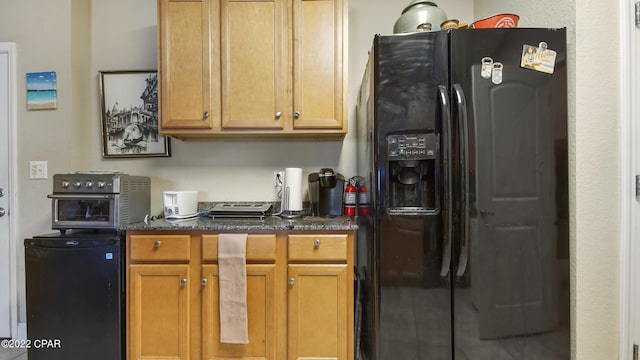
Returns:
<point x="206" y="114"/>
<point x="292" y="281"/>
<point x="203" y="282"/>
<point x="278" y="114"/>
<point x="157" y="243"/>
<point x="296" y="114"/>
<point x="316" y="243"/>
<point x="183" y="282"/>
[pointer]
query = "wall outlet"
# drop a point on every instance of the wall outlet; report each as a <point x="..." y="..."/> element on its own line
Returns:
<point x="37" y="169"/>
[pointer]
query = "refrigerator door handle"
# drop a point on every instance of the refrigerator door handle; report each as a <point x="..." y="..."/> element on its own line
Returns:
<point x="445" y="110"/>
<point x="461" y="106"/>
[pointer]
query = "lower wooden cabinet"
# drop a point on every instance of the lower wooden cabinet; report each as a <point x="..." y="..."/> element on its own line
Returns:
<point x="158" y="312"/>
<point x="318" y="308"/>
<point x="299" y="296"/>
<point x="320" y="300"/>
<point x="261" y="314"/>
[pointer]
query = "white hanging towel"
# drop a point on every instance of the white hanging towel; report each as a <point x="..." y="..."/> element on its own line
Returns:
<point x="232" y="275"/>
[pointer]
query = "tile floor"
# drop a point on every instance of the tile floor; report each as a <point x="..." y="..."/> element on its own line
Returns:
<point x="13" y="354"/>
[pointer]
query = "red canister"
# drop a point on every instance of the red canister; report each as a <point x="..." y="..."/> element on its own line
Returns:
<point x="363" y="198"/>
<point x="350" y="199"/>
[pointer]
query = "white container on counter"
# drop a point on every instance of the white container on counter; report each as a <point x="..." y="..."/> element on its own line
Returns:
<point x="180" y="204"/>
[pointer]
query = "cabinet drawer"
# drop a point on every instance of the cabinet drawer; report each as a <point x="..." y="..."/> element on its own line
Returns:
<point x="318" y="247"/>
<point x="260" y="247"/>
<point x="160" y="247"/>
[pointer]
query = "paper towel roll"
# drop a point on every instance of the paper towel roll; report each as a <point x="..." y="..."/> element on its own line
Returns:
<point x="292" y="190"/>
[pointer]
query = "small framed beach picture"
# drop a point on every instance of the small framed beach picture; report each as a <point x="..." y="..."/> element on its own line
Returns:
<point x="42" y="93"/>
<point x="130" y="115"/>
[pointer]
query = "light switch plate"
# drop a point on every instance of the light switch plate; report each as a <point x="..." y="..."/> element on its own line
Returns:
<point x="37" y="170"/>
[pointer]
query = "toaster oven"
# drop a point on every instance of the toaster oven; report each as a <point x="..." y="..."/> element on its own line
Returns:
<point x="98" y="201"/>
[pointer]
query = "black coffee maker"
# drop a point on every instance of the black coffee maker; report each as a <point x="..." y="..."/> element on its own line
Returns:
<point x="325" y="192"/>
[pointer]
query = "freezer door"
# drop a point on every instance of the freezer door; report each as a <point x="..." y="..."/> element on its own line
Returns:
<point x="410" y="293"/>
<point x="511" y="258"/>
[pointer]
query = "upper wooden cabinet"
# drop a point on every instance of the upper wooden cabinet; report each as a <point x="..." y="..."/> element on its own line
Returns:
<point x="260" y="68"/>
<point x="319" y="63"/>
<point x="254" y="64"/>
<point x="188" y="65"/>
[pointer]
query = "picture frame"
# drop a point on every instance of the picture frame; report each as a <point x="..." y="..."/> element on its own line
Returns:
<point x="42" y="91"/>
<point x="130" y="115"/>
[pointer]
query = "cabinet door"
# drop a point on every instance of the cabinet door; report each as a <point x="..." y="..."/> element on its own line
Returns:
<point x="253" y="64"/>
<point x="318" y="63"/>
<point x="318" y="312"/>
<point x="260" y="313"/>
<point x="158" y="309"/>
<point x="188" y="64"/>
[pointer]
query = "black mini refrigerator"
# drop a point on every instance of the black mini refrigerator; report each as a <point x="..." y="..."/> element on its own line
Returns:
<point x="75" y="296"/>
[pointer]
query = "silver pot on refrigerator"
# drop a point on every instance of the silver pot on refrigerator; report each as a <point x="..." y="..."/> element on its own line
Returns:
<point x="420" y="15"/>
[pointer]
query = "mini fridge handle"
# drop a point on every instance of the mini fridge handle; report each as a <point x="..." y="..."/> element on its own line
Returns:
<point x="461" y="106"/>
<point x="445" y="117"/>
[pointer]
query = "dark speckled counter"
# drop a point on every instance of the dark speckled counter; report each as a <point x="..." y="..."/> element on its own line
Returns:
<point x="270" y="223"/>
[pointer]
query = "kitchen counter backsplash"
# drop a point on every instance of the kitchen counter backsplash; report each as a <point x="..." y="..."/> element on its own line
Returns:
<point x="268" y="223"/>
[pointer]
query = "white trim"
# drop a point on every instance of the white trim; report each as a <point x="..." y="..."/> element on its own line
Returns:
<point x="15" y="204"/>
<point x="628" y="157"/>
<point x="10" y="49"/>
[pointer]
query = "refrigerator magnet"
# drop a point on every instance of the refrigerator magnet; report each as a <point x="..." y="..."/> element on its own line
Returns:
<point x="538" y="58"/>
<point x="496" y="74"/>
<point x="486" y="67"/>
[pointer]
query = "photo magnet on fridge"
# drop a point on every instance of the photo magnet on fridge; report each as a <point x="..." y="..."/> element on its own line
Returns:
<point x="538" y="58"/>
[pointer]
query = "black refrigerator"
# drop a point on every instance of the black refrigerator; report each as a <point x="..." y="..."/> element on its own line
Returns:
<point x="75" y="296"/>
<point x="462" y="135"/>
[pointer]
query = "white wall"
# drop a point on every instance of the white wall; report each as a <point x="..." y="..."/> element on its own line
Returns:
<point x="121" y="35"/>
<point x="597" y="186"/>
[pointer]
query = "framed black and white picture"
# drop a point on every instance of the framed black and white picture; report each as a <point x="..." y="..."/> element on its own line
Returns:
<point x="130" y="115"/>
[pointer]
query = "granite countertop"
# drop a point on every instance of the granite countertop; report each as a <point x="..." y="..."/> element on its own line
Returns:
<point x="269" y="223"/>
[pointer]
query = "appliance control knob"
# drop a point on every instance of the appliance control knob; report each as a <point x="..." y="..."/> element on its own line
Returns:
<point x="77" y="184"/>
<point x="88" y="184"/>
<point x="65" y="184"/>
<point x="101" y="184"/>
